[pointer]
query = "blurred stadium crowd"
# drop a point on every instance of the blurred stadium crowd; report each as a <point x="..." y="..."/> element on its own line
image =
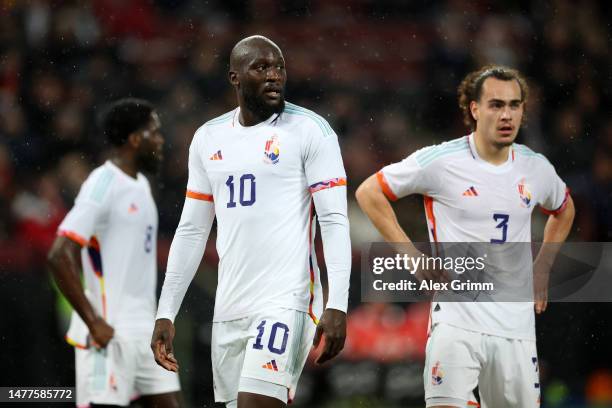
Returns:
<point x="384" y="74"/>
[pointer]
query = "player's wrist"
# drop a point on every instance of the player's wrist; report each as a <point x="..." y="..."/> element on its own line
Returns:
<point x="91" y="320"/>
<point x="163" y="316"/>
<point x="335" y="308"/>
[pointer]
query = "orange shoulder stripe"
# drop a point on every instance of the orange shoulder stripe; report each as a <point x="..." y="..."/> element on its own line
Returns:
<point x="199" y="196"/>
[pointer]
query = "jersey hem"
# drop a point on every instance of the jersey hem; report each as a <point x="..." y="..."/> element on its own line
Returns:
<point x="561" y="207"/>
<point x="238" y="316"/>
<point x="382" y="181"/>
<point x="487" y="332"/>
<point x="199" y="196"/>
<point x="73" y="236"/>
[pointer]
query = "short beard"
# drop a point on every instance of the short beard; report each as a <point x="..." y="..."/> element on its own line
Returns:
<point x="501" y="145"/>
<point x="149" y="164"/>
<point x="260" y="108"/>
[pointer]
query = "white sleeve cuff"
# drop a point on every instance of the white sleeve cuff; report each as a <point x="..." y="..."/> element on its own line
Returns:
<point x="332" y="214"/>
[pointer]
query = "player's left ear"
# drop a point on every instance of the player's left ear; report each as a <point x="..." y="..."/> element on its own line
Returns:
<point x="233" y="78"/>
<point x="474" y="110"/>
<point x="134" y="140"/>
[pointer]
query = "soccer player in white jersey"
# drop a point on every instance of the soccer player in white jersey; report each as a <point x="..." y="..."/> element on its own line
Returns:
<point x="481" y="187"/>
<point x="261" y="169"/>
<point x="111" y="235"/>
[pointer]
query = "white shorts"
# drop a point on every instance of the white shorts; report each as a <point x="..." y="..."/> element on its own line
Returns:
<point x="269" y="348"/>
<point x="457" y="360"/>
<point x="123" y="371"/>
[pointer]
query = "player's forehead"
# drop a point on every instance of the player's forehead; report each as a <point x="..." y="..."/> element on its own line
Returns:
<point x="493" y="88"/>
<point x="154" y="121"/>
<point x="262" y="52"/>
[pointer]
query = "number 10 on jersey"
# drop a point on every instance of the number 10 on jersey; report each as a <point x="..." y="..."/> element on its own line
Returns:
<point x="246" y="183"/>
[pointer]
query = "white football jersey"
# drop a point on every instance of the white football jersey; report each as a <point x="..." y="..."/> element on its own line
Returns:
<point x="470" y="200"/>
<point x="114" y="219"/>
<point x="261" y="179"/>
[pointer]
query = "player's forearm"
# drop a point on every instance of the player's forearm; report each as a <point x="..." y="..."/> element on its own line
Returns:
<point x="65" y="265"/>
<point x="375" y="205"/>
<point x="185" y="255"/>
<point x="332" y="214"/>
<point x="556" y="230"/>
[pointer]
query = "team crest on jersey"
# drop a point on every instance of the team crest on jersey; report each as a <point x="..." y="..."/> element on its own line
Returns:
<point x="437" y="375"/>
<point x="524" y="194"/>
<point x="272" y="150"/>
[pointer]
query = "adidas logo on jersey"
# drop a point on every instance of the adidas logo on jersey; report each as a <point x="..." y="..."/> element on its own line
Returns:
<point x="270" y="365"/>
<point x="216" y="156"/>
<point x="470" y="192"/>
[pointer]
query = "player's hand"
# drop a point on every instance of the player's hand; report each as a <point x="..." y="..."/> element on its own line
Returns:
<point x="161" y="344"/>
<point x="431" y="274"/>
<point x="333" y="326"/>
<point x="101" y="332"/>
<point x="541" y="276"/>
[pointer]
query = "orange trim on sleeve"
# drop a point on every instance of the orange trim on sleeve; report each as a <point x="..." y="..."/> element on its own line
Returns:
<point x="73" y="236"/>
<point x="561" y="208"/>
<point x="431" y="219"/>
<point x="199" y="196"/>
<point x="74" y="343"/>
<point x="311" y="266"/>
<point x="385" y="186"/>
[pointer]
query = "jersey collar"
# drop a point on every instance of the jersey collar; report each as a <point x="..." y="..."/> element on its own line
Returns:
<point x="122" y="174"/>
<point x="236" y="122"/>
<point x="502" y="168"/>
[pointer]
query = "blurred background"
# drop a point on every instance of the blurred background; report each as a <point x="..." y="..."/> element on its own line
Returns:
<point x="383" y="73"/>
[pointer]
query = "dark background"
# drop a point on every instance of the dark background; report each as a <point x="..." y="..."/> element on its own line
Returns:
<point x="383" y="73"/>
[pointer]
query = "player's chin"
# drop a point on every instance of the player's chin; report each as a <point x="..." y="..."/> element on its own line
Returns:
<point x="276" y="105"/>
<point x="505" y="139"/>
<point x="153" y="164"/>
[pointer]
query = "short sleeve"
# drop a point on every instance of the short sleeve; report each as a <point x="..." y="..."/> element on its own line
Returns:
<point x="556" y="193"/>
<point x="198" y="185"/>
<point x="322" y="158"/>
<point x="406" y="177"/>
<point x="90" y="208"/>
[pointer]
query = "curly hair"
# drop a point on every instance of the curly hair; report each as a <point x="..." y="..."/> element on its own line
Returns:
<point x="470" y="88"/>
<point x="123" y="117"/>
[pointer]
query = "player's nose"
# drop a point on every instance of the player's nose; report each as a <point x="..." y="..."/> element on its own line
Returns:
<point x="505" y="113"/>
<point x="160" y="139"/>
<point x="273" y="75"/>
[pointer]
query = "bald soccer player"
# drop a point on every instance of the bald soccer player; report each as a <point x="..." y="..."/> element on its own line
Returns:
<point x="259" y="169"/>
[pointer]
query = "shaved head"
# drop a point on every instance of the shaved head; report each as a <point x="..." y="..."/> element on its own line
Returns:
<point x="246" y="47"/>
<point x="257" y="73"/>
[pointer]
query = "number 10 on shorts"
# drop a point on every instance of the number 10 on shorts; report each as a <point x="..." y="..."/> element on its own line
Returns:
<point x="278" y="334"/>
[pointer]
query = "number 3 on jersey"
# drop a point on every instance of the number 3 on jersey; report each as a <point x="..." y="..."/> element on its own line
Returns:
<point x="243" y="186"/>
<point x="503" y="224"/>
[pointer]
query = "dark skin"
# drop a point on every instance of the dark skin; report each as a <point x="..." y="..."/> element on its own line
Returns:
<point x="141" y="152"/>
<point x="258" y="75"/>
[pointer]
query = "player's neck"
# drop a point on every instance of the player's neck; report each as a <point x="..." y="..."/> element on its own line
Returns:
<point x="489" y="152"/>
<point x="125" y="164"/>
<point x="249" y="118"/>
